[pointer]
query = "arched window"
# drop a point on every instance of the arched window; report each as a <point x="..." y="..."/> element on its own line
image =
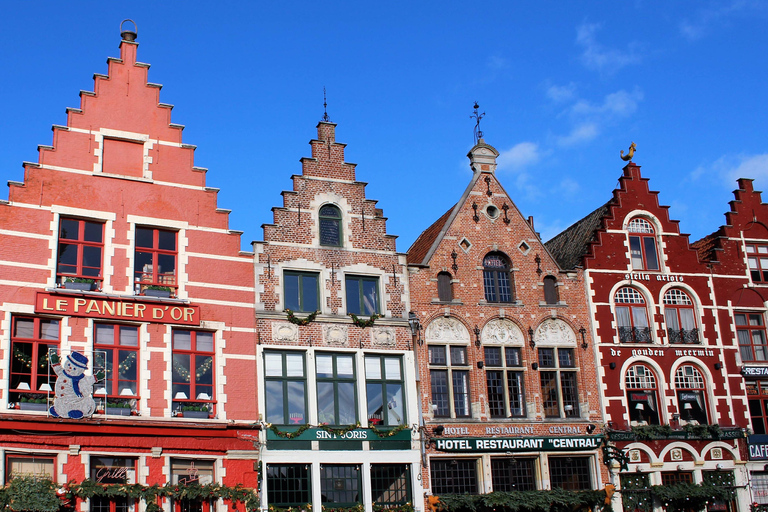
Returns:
<point x="632" y="316"/>
<point x="642" y="245"/>
<point x="550" y="290"/>
<point x="497" y="279"/>
<point x="680" y="317"/>
<point x="444" y="287"/>
<point x="642" y="395"/>
<point x="691" y="394"/>
<point x="330" y="225"/>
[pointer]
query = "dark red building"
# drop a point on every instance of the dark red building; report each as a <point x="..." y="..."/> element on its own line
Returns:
<point x="673" y="393"/>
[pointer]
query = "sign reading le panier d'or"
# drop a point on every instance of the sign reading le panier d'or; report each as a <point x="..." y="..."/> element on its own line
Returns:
<point x="519" y="444"/>
<point x="115" y="309"/>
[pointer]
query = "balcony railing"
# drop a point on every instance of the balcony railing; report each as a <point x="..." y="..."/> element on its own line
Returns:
<point x="635" y="334"/>
<point x="689" y="336"/>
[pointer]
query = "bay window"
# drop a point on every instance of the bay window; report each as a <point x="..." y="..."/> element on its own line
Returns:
<point x="632" y="316"/>
<point x="336" y="395"/>
<point x="285" y="388"/>
<point x="193" y="369"/>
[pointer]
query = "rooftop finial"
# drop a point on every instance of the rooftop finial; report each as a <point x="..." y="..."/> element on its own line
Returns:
<point x="477" y="116"/>
<point x="129" y="35"/>
<point x="325" y="119"/>
<point x="630" y="153"/>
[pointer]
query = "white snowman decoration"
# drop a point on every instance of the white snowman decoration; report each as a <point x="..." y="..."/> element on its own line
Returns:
<point x="74" y="390"/>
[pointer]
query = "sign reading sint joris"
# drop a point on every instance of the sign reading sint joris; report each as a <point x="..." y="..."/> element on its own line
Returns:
<point x="520" y="444"/>
<point x="115" y="309"/>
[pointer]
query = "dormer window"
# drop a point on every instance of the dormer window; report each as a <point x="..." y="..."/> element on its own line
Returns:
<point x="330" y="225"/>
<point x="642" y="245"/>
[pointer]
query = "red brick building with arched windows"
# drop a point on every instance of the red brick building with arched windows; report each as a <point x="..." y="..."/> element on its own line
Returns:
<point x="668" y="361"/>
<point x="505" y="354"/>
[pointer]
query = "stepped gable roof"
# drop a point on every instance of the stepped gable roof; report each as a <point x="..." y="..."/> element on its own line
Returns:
<point x="419" y="249"/>
<point x="570" y="246"/>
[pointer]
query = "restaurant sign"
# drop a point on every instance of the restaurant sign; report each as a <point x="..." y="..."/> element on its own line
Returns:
<point x="758" y="447"/>
<point x="117" y="309"/>
<point x="517" y="444"/>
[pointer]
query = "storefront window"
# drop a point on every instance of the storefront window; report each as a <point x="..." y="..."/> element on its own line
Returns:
<point x="723" y="480"/>
<point x="286" y="388"/>
<point x="453" y="476"/>
<point x="112" y="470"/>
<point x="38" y="466"/>
<point x="570" y="473"/>
<point x="340" y="485"/>
<point x="513" y="474"/>
<point x="391" y="484"/>
<point x="691" y="394"/>
<point x="642" y="398"/>
<point x="192" y="472"/>
<point x="635" y="494"/>
<point x="289" y="485"/>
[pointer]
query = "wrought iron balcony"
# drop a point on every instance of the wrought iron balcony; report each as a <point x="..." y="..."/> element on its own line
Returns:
<point x="635" y="334"/>
<point x="689" y="336"/>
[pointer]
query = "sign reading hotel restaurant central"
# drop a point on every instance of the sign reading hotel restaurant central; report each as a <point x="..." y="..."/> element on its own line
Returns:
<point x="115" y="309"/>
<point x="519" y="444"/>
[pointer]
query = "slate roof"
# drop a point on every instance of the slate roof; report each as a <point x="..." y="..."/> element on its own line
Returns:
<point x="570" y="246"/>
<point x="420" y="248"/>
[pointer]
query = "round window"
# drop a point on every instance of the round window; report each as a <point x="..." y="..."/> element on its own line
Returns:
<point x="492" y="211"/>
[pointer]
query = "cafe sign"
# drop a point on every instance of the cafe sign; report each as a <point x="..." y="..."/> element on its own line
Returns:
<point x="518" y="444"/>
<point x="358" y="434"/>
<point x="117" y="309"/>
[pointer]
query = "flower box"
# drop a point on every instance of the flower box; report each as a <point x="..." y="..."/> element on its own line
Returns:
<point x="195" y="414"/>
<point x="31" y="406"/>
<point x="85" y="287"/>
<point x="157" y="293"/>
<point x="119" y="411"/>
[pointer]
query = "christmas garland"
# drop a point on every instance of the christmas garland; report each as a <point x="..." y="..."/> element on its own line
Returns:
<point x="298" y="321"/>
<point x="357" y="508"/>
<point x="335" y="431"/>
<point x="150" y="493"/>
<point x="406" y="507"/>
<point x="387" y="433"/>
<point x="364" y="323"/>
<point x="555" y="500"/>
<point x="297" y="508"/>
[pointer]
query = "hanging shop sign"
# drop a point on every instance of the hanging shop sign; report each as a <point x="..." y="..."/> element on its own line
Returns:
<point x="518" y="444"/>
<point x="758" y="447"/>
<point x="116" y="309"/>
<point x="755" y="371"/>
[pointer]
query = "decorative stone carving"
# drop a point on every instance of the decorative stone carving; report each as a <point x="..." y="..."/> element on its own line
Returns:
<point x="446" y="329"/>
<point x="285" y="331"/>
<point x="335" y="334"/>
<point x="383" y="336"/>
<point x="555" y="332"/>
<point x="500" y="330"/>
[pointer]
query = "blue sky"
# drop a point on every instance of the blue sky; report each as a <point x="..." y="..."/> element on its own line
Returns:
<point x="565" y="86"/>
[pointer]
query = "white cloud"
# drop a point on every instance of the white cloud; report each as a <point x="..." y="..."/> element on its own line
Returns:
<point x="755" y="166"/>
<point x="519" y="156"/>
<point x="599" y="58"/>
<point x="704" y="19"/>
<point x="581" y="133"/>
<point x="618" y="104"/>
<point x="496" y="63"/>
<point x="727" y="169"/>
<point x="569" y="187"/>
<point x="561" y="94"/>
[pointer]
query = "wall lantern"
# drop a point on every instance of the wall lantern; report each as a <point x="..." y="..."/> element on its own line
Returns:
<point x="477" y="336"/>
<point x="530" y="337"/>
<point x="583" y="333"/>
<point x="413" y="321"/>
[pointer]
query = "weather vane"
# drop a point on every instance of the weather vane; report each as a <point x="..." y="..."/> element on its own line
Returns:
<point x="477" y="116"/>
<point x="630" y="153"/>
<point x="326" y="119"/>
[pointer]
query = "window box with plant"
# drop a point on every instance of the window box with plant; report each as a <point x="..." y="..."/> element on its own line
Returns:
<point x="195" y="410"/>
<point x="85" y="284"/>
<point x="154" y="290"/>
<point x="32" y="402"/>
<point x="117" y="407"/>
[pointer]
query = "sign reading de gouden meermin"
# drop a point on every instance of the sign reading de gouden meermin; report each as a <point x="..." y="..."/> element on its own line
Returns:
<point x="116" y="309"/>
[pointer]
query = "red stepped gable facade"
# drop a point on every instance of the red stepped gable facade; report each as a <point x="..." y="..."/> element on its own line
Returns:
<point x="737" y="254"/>
<point x="507" y="388"/>
<point x="108" y="246"/>
<point x="667" y="358"/>
<point x="337" y="392"/>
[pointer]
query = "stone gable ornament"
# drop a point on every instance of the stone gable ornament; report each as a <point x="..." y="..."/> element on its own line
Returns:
<point x="446" y="329"/>
<point x="73" y="394"/>
<point x="501" y="330"/>
<point x="555" y="331"/>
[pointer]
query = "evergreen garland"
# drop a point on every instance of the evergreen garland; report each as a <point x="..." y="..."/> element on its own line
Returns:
<point x="27" y="492"/>
<point x="555" y="500"/>
<point x="357" y="508"/>
<point x="298" y="321"/>
<point x="289" y="435"/>
<point x="363" y="324"/>
<point x="387" y="433"/>
<point x="405" y="507"/>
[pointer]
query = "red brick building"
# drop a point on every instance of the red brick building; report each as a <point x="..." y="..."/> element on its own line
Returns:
<point x="337" y="392"/>
<point x="506" y="362"/>
<point x="108" y="246"/>
<point x="668" y="364"/>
